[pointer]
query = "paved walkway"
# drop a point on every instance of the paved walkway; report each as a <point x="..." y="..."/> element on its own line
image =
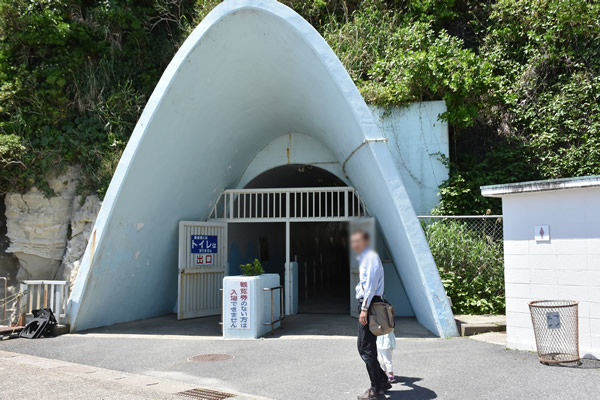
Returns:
<point x="303" y="365"/>
<point x="29" y="377"/>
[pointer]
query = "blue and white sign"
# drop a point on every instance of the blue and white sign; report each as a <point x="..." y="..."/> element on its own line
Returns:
<point x="204" y="244"/>
<point x="204" y="248"/>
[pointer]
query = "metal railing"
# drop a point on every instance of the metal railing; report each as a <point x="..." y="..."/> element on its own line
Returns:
<point x="47" y="294"/>
<point x="5" y="294"/>
<point x="289" y="204"/>
<point x="13" y="307"/>
<point x="281" y="307"/>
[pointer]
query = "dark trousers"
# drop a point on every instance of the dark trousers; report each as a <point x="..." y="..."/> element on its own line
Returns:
<point x="367" y="348"/>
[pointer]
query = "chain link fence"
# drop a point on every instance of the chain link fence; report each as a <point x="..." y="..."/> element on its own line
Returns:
<point x="468" y="251"/>
<point x="486" y="226"/>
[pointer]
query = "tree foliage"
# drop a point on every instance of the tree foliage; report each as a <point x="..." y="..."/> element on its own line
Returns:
<point x="74" y="76"/>
<point x="521" y="80"/>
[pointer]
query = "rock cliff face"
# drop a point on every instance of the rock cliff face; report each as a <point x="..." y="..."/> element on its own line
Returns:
<point x="9" y="265"/>
<point x="38" y="226"/>
<point x="48" y="235"/>
<point x="83" y="216"/>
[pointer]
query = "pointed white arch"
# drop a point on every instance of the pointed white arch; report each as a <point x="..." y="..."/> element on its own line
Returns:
<point x="250" y="72"/>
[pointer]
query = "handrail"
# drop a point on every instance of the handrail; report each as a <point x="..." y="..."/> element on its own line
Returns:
<point x="281" y="309"/>
<point x="299" y="189"/>
<point x="45" y="282"/>
<point x="457" y="216"/>
<point x="338" y="203"/>
<point x="221" y="321"/>
<point x="44" y="294"/>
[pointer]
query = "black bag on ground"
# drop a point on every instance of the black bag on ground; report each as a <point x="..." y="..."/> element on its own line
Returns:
<point x="42" y="324"/>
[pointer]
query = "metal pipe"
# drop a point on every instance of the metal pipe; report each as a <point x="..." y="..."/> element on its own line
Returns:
<point x="282" y="304"/>
<point x="272" y="312"/>
<point x="5" y="296"/>
<point x="282" y="315"/>
<point x="221" y="322"/>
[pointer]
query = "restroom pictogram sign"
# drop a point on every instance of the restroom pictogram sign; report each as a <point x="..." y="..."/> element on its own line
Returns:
<point x="542" y="233"/>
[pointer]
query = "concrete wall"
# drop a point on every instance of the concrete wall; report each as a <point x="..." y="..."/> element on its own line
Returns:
<point x="566" y="267"/>
<point x="417" y="140"/>
<point x="249" y="73"/>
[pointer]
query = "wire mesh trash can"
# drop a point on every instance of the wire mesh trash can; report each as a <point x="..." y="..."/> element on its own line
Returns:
<point x="556" y="328"/>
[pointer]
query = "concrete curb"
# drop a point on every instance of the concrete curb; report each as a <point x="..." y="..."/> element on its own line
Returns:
<point x="469" y="325"/>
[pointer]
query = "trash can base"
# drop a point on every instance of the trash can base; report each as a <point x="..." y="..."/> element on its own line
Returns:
<point x="557" y="358"/>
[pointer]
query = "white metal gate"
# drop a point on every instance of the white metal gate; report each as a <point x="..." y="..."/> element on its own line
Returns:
<point x="318" y="204"/>
<point x="202" y="266"/>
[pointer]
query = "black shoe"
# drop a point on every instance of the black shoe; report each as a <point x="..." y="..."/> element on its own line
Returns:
<point x="386" y="386"/>
<point x="370" y="394"/>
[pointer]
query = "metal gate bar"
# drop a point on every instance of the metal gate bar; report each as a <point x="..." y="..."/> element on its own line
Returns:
<point x="281" y="307"/>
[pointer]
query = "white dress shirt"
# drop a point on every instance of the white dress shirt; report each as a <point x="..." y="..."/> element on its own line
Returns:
<point x="371" y="277"/>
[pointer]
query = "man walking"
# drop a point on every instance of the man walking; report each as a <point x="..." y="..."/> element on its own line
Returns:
<point x="369" y="290"/>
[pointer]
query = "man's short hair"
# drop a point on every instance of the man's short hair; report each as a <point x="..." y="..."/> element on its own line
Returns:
<point x="363" y="234"/>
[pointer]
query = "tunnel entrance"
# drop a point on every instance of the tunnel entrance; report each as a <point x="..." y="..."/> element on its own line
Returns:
<point x="318" y="238"/>
<point x="296" y="220"/>
<point x="322" y="253"/>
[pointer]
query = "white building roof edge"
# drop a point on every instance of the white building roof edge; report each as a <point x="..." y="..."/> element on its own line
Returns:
<point x="581" y="182"/>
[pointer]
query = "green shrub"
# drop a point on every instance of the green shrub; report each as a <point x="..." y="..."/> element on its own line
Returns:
<point x="253" y="269"/>
<point x="470" y="265"/>
<point x="395" y="60"/>
<point x="543" y="119"/>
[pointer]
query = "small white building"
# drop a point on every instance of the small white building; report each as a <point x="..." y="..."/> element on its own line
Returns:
<point x="551" y="251"/>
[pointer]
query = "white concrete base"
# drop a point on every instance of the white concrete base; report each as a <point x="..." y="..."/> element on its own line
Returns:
<point x="258" y="305"/>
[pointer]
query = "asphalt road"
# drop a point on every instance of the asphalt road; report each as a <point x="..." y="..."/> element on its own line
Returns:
<point x="320" y="367"/>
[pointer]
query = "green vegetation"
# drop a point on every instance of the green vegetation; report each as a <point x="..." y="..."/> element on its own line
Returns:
<point x="74" y="77"/>
<point x="253" y="269"/>
<point x="521" y="79"/>
<point x="471" y="266"/>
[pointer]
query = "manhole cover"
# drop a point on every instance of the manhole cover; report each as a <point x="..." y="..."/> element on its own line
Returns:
<point x="210" y="357"/>
<point x="205" y="394"/>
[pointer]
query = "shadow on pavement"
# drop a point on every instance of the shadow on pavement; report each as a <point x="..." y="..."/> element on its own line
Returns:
<point x="584" y="363"/>
<point x="415" y="391"/>
<point x="342" y="325"/>
<point x="294" y="325"/>
<point x="165" y="325"/>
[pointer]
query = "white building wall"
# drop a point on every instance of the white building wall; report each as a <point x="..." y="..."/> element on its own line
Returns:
<point x="566" y="267"/>
<point x="418" y="140"/>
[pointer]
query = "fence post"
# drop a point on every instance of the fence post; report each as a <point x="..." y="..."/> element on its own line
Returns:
<point x="23" y="305"/>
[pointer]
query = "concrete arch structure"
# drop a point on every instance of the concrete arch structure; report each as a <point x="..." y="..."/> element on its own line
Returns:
<point x="249" y="73"/>
<point x="292" y="148"/>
